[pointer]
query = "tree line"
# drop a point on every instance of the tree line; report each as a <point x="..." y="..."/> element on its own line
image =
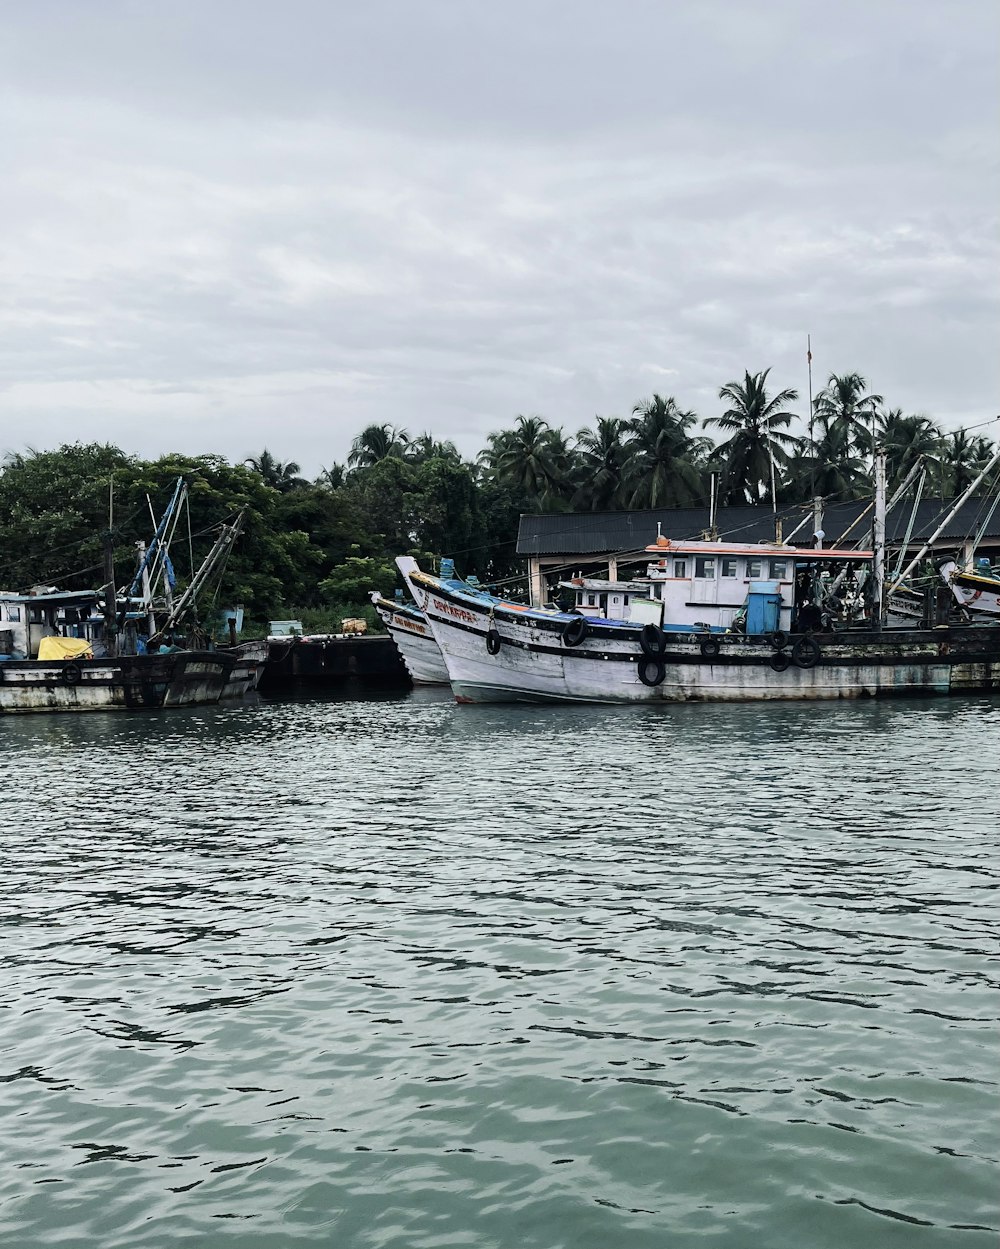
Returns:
<point x="318" y="546"/>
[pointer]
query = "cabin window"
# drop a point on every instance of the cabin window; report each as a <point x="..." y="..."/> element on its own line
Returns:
<point x="680" y="567"/>
<point x="728" y="568"/>
<point x="704" y="566"/>
<point x="14" y="614"/>
<point x="591" y="600"/>
<point x="754" y="569"/>
<point x="626" y="601"/>
<point x="777" y="569"/>
<point x="35" y="616"/>
<point x="615" y="599"/>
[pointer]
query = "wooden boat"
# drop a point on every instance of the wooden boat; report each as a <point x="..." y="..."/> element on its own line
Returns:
<point x="414" y="640"/>
<point x="84" y="677"/>
<point x="976" y="590"/>
<point x="799" y="622"/>
<point x="86" y="650"/>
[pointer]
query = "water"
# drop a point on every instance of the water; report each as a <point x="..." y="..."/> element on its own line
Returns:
<point x="404" y="974"/>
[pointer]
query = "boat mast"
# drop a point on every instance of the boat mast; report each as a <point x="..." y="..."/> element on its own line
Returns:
<point x="212" y="562"/>
<point x="960" y="502"/>
<point x="110" y="603"/>
<point x="878" y="540"/>
<point x="147" y="592"/>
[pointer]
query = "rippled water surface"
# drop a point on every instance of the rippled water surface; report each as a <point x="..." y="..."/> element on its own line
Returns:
<point x="401" y="973"/>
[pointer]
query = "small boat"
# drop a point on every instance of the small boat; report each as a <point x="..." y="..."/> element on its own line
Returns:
<point x="408" y="628"/>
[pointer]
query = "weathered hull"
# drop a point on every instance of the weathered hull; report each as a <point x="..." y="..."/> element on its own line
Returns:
<point x="415" y="642"/>
<point x="125" y="683"/>
<point x="251" y="662"/>
<point x="533" y="663"/>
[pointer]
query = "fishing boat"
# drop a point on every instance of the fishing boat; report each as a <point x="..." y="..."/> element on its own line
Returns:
<point x="54" y="656"/>
<point x="763" y="621"/>
<point x="976" y="590"/>
<point x="414" y="640"/>
<point x="97" y="650"/>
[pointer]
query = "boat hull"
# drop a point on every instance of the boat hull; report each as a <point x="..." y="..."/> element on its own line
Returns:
<point x="414" y="640"/>
<point x="533" y="663"/>
<point x="123" y="683"/>
<point x="251" y="661"/>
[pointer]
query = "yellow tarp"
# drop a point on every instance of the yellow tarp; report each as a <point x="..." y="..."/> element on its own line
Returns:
<point x="64" y="648"/>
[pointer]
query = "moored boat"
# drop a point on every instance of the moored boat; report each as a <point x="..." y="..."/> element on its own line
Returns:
<point x="93" y="650"/>
<point x="414" y="640"/>
<point x="54" y="657"/>
<point x="809" y="630"/>
<point x="977" y="590"/>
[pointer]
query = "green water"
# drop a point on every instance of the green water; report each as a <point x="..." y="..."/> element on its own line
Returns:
<point x="399" y="973"/>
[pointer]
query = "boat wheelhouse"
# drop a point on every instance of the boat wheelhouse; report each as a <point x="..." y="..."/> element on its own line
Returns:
<point x="723" y="586"/>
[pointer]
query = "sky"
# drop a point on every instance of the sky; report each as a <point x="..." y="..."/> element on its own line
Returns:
<point x="234" y="224"/>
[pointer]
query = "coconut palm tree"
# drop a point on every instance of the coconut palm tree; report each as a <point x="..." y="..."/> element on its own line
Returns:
<point x="331" y="478"/>
<point x="961" y="458"/>
<point x="759" y="443"/>
<point x="846" y="400"/>
<point x="426" y="447"/>
<point x="375" y="443"/>
<point x="531" y="461"/>
<point x="663" y="468"/>
<point x="905" y="440"/>
<point x="281" y="477"/>
<point x="601" y="458"/>
<point x="827" y="466"/>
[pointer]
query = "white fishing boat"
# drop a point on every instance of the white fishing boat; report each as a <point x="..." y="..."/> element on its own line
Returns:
<point x="976" y="590"/>
<point x="414" y="640"/>
<point x="762" y="622"/>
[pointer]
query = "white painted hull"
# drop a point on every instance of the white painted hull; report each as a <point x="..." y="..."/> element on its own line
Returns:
<point x="534" y="664"/>
<point x="415" y="642"/>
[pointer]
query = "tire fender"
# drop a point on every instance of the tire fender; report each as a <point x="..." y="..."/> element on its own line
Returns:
<point x="575" y="631"/>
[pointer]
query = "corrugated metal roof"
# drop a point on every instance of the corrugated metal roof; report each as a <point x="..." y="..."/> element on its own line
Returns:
<point x="602" y="533"/>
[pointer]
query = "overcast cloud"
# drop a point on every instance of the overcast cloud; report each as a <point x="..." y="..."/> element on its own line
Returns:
<point x="226" y="226"/>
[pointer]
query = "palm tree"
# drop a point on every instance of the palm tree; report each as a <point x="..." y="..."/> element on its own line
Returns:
<point x="331" y="478"/>
<point x="838" y="473"/>
<point x="281" y="477"/>
<point x="759" y="442"/>
<point x="530" y="460"/>
<point x="961" y="459"/>
<point x="662" y="468"/>
<point x="846" y="400"/>
<point x="601" y="459"/>
<point x="427" y="447"/>
<point x="907" y="439"/>
<point x="377" y="442"/>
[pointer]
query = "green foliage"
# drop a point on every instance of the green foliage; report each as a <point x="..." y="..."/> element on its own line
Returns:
<point x="324" y="545"/>
<point x="351" y="581"/>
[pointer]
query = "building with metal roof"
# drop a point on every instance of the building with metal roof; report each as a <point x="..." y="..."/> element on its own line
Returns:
<point x="557" y="542"/>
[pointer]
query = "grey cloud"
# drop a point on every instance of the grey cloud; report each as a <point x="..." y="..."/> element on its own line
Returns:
<point x="227" y="225"/>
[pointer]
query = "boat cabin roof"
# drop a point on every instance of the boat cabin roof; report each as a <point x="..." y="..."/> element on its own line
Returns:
<point x="52" y="598"/>
<point x="679" y="546"/>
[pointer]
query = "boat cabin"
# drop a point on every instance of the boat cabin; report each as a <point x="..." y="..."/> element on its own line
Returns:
<point x="748" y="587"/>
<point x="757" y="588"/>
<point x="25" y="619"/>
<point x="614" y="600"/>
